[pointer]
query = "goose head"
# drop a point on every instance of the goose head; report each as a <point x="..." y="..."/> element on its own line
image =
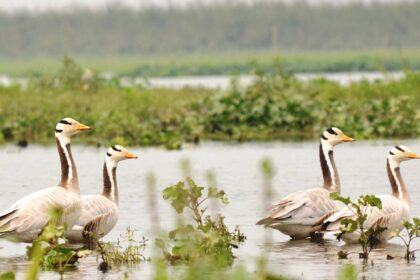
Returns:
<point x="118" y="153"/>
<point x="334" y="136"/>
<point x="401" y="153"/>
<point x="68" y="127"/>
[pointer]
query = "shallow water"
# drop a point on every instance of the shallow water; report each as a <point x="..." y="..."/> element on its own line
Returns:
<point x="361" y="166"/>
<point x="224" y="82"/>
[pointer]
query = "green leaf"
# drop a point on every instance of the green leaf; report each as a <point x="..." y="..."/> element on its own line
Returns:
<point x="371" y="200"/>
<point x="160" y="243"/>
<point x="196" y="190"/>
<point x="178" y="196"/>
<point x="348" y="225"/>
<point x="336" y="196"/>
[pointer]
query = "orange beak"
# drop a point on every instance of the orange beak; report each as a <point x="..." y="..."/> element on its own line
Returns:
<point x="413" y="156"/>
<point x="130" y="155"/>
<point x="82" y="127"/>
<point x="345" y="138"/>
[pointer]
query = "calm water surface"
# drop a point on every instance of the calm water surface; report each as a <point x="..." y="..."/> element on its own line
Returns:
<point x="361" y="166"/>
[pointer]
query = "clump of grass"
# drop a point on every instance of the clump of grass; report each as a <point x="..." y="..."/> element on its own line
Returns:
<point x="204" y="237"/>
<point x="126" y="251"/>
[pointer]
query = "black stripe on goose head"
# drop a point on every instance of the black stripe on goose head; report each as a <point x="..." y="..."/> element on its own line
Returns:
<point x="331" y="131"/>
<point x="115" y="149"/>
<point x="324" y="137"/>
<point x="65" y="122"/>
<point x="400" y="149"/>
<point x="391" y="153"/>
<point x="58" y="130"/>
<point x="108" y="154"/>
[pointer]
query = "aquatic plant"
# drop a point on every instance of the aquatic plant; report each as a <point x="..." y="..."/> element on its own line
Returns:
<point x="51" y="251"/>
<point x="413" y="231"/>
<point x="367" y="237"/>
<point x="126" y="251"/>
<point x="205" y="237"/>
<point x="275" y="107"/>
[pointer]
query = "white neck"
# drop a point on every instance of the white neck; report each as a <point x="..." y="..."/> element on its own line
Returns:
<point x="69" y="179"/>
<point x="329" y="170"/>
<point x="110" y="189"/>
<point x="399" y="190"/>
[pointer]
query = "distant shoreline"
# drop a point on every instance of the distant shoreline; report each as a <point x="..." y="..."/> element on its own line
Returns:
<point x="227" y="63"/>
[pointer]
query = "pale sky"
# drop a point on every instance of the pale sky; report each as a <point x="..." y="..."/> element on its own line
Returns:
<point x="43" y="5"/>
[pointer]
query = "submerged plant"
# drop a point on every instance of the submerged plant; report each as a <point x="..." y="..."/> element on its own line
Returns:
<point x="127" y="251"/>
<point x="368" y="236"/>
<point x="413" y="232"/>
<point x="205" y="237"/>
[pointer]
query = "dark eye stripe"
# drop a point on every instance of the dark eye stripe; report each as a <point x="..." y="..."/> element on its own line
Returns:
<point x="391" y="153"/>
<point x="108" y="154"/>
<point x="115" y="149"/>
<point x="323" y="137"/>
<point x="65" y="122"/>
<point x="398" y="148"/>
<point x="331" y="131"/>
<point x="58" y="130"/>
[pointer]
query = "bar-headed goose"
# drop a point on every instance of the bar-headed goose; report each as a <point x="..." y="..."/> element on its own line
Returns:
<point x="100" y="212"/>
<point x="296" y="214"/>
<point x="395" y="207"/>
<point x="24" y="220"/>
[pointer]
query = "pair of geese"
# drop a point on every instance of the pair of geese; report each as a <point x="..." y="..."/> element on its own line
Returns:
<point x="304" y="214"/>
<point x="86" y="217"/>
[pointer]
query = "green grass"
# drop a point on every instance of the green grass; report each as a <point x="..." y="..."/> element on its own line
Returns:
<point x="225" y="63"/>
<point x="276" y="107"/>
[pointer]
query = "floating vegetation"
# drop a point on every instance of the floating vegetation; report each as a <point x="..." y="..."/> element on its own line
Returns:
<point x="126" y="251"/>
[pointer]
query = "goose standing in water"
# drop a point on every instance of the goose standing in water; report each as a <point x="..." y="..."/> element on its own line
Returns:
<point x="296" y="214"/>
<point x="395" y="207"/>
<point x="100" y="212"/>
<point x="25" y="219"/>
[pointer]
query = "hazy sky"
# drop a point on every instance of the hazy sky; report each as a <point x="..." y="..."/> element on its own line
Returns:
<point x="42" y="5"/>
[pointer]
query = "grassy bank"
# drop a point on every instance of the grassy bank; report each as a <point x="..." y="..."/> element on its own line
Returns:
<point x="275" y="107"/>
<point x="226" y="63"/>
